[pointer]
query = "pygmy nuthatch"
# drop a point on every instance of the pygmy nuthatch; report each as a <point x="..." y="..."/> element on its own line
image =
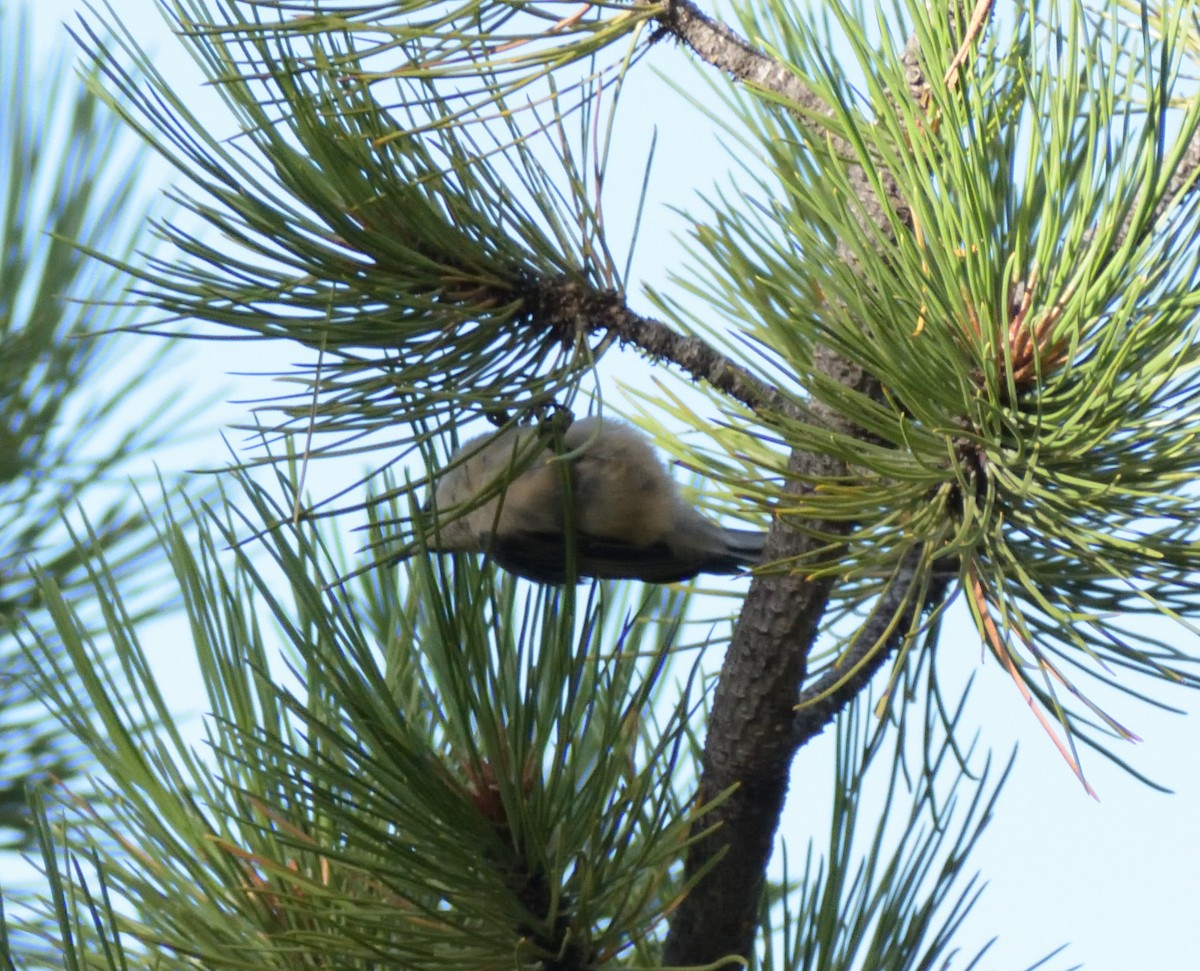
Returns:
<point x="628" y="517"/>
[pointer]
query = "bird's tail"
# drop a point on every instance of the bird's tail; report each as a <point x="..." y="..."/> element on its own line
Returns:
<point x="742" y="548"/>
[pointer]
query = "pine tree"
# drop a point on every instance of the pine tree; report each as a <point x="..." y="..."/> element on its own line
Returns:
<point x="942" y="340"/>
<point x="65" y="375"/>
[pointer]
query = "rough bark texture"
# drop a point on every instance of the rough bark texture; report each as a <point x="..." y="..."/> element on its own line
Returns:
<point x="753" y="730"/>
<point x="750" y="745"/>
<point x="571" y="308"/>
<point x="896" y="612"/>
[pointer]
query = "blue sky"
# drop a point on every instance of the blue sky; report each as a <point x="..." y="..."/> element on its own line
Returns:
<point x="1118" y="879"/>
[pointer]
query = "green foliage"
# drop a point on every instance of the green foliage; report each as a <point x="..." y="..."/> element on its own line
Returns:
<point x="455" y="766"/>
<point x="466" y="767"/>
<point x="398" y="226"/>
<point x="63" y="376"/>
<point x="1034" y="333"/>
<point x="899" y="903"/>
<point x="446" y="770"/>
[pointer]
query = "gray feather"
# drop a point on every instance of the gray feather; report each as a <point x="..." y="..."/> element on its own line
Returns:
<point x="624" y="513"/>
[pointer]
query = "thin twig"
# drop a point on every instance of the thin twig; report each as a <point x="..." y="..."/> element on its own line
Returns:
<point x="717" y="44"/>
<point x="891" y="620"/>
<point x="569" y="308"/>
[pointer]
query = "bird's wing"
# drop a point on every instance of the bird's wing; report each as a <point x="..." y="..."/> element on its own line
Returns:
<point x="543" y="557"/>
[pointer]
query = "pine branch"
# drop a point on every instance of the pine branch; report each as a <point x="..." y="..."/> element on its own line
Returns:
<point x="876" y="641"/>
<point x="751" y="738"/>
<point x="755" y="729"/>
<point x="717" y="44"/>
<point x="1182" y="179"/>
<point x="566" y="307"/>
<point x="720" y="916"/>
<point x="752" y="732"/>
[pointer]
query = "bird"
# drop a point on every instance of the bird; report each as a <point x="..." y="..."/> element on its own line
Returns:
<point x="603" y="507"/>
